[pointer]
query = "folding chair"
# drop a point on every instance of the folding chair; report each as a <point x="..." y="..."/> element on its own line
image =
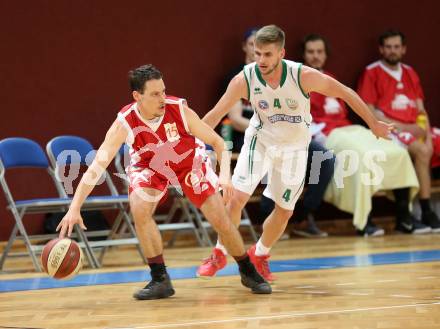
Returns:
<point x="24" y="153"/>
<point x="72" y="152"/>
<point x="189" y="212"/>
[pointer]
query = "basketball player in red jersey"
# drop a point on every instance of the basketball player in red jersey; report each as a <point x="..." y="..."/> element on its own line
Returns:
<point x="166" y="141"/>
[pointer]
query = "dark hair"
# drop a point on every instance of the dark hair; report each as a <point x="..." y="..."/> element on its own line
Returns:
<point x="391" y="33"/>
<point x="270" y="34"/>
<point x="314" y="37"/>
<point x="142" y="74"/>
<point x="249" y="32"/>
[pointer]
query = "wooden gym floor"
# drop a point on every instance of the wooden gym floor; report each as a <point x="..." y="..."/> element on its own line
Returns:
<point x="338" y="282"/>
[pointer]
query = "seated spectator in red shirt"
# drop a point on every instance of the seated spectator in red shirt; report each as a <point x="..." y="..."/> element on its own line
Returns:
<point x="393" y="91"/>
<point x="333" y="113"/>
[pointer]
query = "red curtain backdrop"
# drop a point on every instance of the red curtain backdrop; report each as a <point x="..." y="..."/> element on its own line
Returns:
<point x="64" y="64"/>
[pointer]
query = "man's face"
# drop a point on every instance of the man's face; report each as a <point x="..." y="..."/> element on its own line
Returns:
<point x="152" y="100"/>
<point x="392" y="50"/>
<point x="315" y="54"/>
<point x="268" y="57"/>
<point x="248" y="47"/>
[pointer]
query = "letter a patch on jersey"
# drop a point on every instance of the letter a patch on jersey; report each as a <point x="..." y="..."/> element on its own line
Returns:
<point x="172" y="132"/>
<point x="276" y="103"/>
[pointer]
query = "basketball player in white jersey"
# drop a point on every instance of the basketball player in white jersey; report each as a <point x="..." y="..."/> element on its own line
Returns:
<point x="277" y="138"/>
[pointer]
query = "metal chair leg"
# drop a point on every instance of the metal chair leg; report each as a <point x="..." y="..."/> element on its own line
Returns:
<point x="28" y="244"/>
<point x="91" y="258"/>
<point x="8" y="245"/>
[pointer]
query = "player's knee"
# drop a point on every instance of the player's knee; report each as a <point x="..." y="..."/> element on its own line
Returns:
<point x="284" y="214"/>
<point x="424" y="153"/>
<point x="141" y="215"/>
<point x="238" y="201"/>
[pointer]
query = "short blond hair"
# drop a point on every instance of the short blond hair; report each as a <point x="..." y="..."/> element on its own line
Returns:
<point x="270" y="34"/>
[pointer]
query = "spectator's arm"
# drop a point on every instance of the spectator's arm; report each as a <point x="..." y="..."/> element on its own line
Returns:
<point x="421" y="105"/>
<point x="239" y="122"/>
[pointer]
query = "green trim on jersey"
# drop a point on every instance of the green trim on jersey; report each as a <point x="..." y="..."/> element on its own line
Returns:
<point x="283" y="74"/>
<point x="261" y="122"/>
<point x="299" y="82"/>
<point x="259" y="76"/>
<point x="251" y="153"/>
<point x="248" y="86"/>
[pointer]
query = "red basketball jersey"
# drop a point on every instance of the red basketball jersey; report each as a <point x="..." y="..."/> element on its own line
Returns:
<point x="329" y="110"/>
<point x="393" y="92"/>
<point x="165" y="141"/>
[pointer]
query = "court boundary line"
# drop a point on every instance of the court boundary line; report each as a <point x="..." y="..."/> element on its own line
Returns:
<point x="278" y="316"/>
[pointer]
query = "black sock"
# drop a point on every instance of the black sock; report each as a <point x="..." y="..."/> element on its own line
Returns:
<point x="157" y="271"/>
<point x="243" y="262"/>
<point x="425" y="204"/>
<point x="402" y="201"/>
<point x="245" y="266"/>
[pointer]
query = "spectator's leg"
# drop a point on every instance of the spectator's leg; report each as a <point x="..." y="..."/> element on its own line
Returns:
<point x="421" y="154"/>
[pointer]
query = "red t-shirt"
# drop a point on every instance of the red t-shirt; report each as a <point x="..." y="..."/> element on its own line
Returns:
<point x="393" y="93"/>
<point x="329" y="110"/>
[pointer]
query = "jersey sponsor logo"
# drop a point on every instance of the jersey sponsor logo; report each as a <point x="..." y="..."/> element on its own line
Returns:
<point x="257" y="91"/>
<point x="332" y="106"/>
<point x="263" y="104"/>
<point x="197" y="180"/>
<point x="172" y="132"/>
<point x="401" y="102"/>
<point x="291" y="103"/>
<point x="285" y="117"/>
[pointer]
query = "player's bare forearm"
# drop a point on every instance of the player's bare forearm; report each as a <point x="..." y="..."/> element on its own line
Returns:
<point x="114" y="138"/>
<point x="238" y="121"/>
<point x="213" y="117"/>
<point x="236" y="90"/>
<point x="206" y="134"/>
<point x="315" y="81"/>
<point x="358" y="105"/>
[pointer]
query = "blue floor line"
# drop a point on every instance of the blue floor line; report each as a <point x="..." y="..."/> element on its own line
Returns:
<point x="289" y="265"/>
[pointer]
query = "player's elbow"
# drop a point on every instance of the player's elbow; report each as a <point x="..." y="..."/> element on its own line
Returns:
<point x="210" y="119"/>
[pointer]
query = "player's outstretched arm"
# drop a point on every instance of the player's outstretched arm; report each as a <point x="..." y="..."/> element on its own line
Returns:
<point x="114" y="138"/>
<point x="236" y="90"/>
<point x="206" y="134"/>
<point x="315" y="81"/>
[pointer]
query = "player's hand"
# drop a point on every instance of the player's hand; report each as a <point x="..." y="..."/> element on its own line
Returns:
<point x="382" y="129"/>
<point x="68" y="222"/>
<point x="228" y="191"/>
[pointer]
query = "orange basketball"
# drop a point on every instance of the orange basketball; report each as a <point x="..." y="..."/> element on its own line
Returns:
<point x="61" y="258"/>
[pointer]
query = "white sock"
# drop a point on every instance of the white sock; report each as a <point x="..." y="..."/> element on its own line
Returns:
<point x="261" y="250"/>
<point x="221" y="247"/>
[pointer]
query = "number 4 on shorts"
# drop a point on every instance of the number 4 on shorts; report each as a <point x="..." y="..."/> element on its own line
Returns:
<point x="286" y="195"/>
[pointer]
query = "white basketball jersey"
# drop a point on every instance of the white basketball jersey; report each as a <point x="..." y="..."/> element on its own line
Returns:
<point x="283" y="114"/>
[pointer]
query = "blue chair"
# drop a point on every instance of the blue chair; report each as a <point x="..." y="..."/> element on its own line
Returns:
<point x="72" y="152"/>
<point x="25" y="153"/>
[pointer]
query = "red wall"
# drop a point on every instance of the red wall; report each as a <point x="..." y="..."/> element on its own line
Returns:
<point x="64" y="64"/>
